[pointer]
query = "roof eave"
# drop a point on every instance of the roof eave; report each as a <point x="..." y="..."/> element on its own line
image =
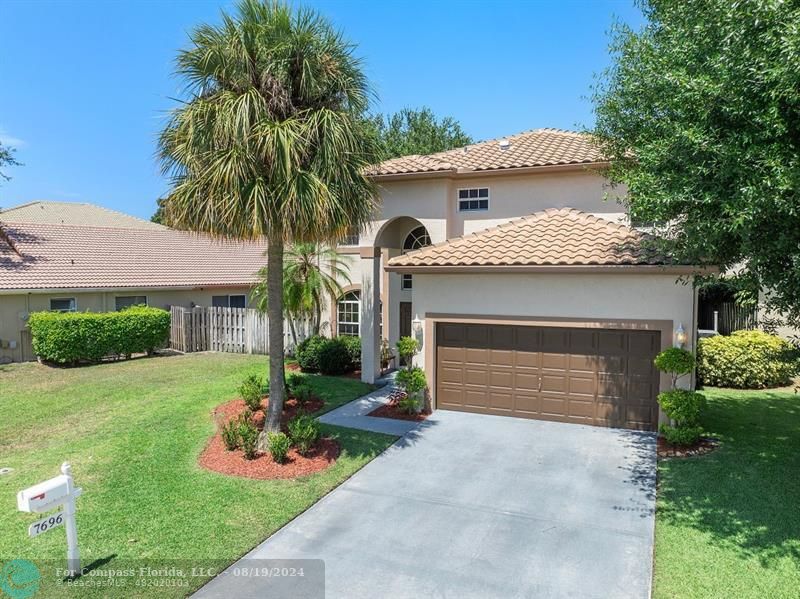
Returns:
<point x="123" y="288"/>
<point x="464" y="173"/>
<point x="651" y="269"/>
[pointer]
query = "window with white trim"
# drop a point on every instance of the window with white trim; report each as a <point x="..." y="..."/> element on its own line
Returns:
<point x="229" y="301"/>
<point x="348" y="314"/>
<point x="418" y="238"/>
<point x="63" y="304"/>
<point x="126" y="301"/>
<point x="473" y="199"/>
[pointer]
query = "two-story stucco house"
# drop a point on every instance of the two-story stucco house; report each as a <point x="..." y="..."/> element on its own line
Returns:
<point x="530" y="294"/>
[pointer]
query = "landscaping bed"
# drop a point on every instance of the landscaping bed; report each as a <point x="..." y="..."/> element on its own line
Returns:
<point x="703" y="446"/>
<point x="393" y="409"/>
<point x="218" y="458"/>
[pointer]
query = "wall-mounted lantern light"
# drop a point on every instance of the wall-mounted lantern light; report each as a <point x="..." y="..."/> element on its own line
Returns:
<point x="680" y="336"/>
<point x="416" y="325"/>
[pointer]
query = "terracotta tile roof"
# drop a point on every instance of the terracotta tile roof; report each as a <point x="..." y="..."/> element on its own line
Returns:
<point x="48" y="256"/>
<point x="73" y="213"/>
<point x="541" y="147"/>
<point x="554" y="237"/>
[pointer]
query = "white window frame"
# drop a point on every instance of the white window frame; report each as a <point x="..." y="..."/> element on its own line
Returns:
<point x="407" y="281"/>
<point x="228" y="299"/>
<point x="477" y="198"/>
<point x="357" y="313"/>
<point x="118" y="297"/>
<point x="69" y="299"/>
<point x="351" y="238"/>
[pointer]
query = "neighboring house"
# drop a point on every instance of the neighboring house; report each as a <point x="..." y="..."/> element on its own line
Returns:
<point x="531" y="295"/>
<point x="79" y="257"/>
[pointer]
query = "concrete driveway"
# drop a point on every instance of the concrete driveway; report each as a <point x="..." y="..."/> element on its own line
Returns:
<point x="479" y="506"/>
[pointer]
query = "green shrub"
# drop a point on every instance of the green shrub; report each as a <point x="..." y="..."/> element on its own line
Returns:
<point x="682" y="406"/>
<point x="410" y="404"/>
<point x="308" y="353"/>
<point x="248" y="437"/>
<point x="746" y="360"/>
<point x="681" y="435"/>
<point x="294" y="380"/>
<point x="303" y="394"/>
<point x="278" y="446"/>
<point x="353" y="345"/>
<point x="250" y="391"/>
<point x="74" y="337"/>
<point x="334" y="357"/>
<point x="407" y="347"/>
<point x="675" y="361"/>
<point x="412" y="380"/>
<point x="304" y="432"/>
<point x="230" y="434"/>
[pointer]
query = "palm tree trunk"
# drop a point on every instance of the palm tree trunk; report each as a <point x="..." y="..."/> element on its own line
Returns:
<point x="318" y="317"/>
<point x="275" y="315"/>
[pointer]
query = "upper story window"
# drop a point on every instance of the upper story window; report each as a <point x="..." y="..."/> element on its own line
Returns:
<point x="418" y="238"/>
<point x="351" y="237"/>
<point x="475" y="198"/>
<point x="63" y="304"/>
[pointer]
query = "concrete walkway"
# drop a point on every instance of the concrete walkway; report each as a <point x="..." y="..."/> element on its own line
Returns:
<point x="470" y="506"/>
<point x="354" y="414"/>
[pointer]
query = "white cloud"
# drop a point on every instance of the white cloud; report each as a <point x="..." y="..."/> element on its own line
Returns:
<point x="10" y="140"/>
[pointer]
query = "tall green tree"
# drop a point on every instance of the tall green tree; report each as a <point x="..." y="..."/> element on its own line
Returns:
<point x="6" y="159"/>
<point x="700" y="115"/>
<point x="269" y="142"/>
<point x="313" y="273"/>
<point x="417" y="131"/>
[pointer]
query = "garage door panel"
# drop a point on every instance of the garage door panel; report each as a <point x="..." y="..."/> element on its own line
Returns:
<point x="501" y="357"/>
<point x="474" y="376"/>
<point x="589" y="376"/>
<point x="476" y="356"/>
<point x="524" y="381"/>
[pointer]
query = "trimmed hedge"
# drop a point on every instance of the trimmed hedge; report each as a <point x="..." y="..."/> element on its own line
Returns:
<point x="329" y="356"/>
<point x="746" y="360"/>
<point x="74" y="337"/>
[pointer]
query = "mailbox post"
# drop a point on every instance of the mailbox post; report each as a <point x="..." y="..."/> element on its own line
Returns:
<point x="49" y="495"/>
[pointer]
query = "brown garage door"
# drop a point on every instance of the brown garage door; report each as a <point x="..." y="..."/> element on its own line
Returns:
<point x="601" y="377"/>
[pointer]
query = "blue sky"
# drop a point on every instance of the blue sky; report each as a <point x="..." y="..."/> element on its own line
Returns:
<point x="84" y="86"/>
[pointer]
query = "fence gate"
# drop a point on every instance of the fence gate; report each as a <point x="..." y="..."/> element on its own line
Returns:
<point x="234" y="330"/>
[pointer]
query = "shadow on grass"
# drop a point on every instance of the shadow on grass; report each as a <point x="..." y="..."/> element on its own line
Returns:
<point x="745" y="494"/>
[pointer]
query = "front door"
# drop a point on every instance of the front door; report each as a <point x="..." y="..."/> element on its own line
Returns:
<point x="405" y="319"/>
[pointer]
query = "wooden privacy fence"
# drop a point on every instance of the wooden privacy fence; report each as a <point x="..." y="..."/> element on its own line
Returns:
<point x="234" y="330"/>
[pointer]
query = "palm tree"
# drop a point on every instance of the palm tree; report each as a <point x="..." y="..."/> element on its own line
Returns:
<point x="311" y="273"/>
<point x="268" y="143"/>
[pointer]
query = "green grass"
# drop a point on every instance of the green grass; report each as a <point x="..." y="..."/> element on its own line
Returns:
<point x="132" y="431"/>
<point x="728" y="523"/>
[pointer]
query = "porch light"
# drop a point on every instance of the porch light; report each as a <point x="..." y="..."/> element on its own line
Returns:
<point x="680" y="335"/>
<point x="416" y="324"/>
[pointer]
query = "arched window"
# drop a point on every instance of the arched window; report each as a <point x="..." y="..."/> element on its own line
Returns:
<point x="418" y="238"/>
<point x="348" y="314"/>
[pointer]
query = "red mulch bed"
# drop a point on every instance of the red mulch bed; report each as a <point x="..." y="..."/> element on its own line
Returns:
<point x="215" y="457"/>
<point x="393" y="410"/>
<point x="703" y="446"/>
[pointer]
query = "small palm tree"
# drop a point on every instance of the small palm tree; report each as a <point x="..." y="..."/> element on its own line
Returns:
<point x="312" y="273"/>
<point x="269" y="142"/>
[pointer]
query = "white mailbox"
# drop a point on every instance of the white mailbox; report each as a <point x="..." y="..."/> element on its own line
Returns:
<point x="44" y="496"/>
<point x="51" y="494"/>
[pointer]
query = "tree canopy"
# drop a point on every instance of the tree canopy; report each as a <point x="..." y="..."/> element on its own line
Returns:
<point x="700" y="116"/>
<point x="6" y="159"/>
<point x="416" y="131"/>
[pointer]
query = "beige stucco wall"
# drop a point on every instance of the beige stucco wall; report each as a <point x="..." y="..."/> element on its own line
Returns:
<point x="555" y="297"/>
<point x="14" y="309"/>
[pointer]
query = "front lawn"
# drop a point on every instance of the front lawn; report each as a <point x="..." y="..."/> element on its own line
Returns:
<point x="132" y="431"/>
<point x="728" y="523"/>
